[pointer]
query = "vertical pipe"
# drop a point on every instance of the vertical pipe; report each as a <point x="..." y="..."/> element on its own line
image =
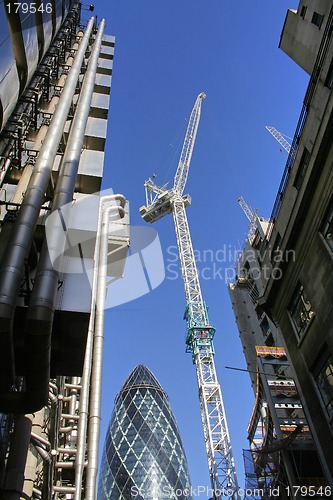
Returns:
<point x="94" y="355"/>
<point x="32" y="456"/>
<point x="86" y="374"/>
<point x="23" y="232"/>
<point x="41" y="308"/>
<point x="96" y="372"/>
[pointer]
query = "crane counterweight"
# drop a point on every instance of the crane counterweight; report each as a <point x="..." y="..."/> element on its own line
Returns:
<point x="200" y="333"/>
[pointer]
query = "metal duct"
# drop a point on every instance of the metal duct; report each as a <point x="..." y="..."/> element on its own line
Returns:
<point x="40" y="314"/>
<point x="11" y="268"/>
<point x="93" y="366"/>
<point x="80" y="459"/>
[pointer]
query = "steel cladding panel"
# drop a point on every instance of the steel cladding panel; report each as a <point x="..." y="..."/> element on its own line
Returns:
<point x="57" y="14"/>
<point x="105" y="65"/>
<point x="91" y="163"/>
<point x="109" y="38"/>
<point x="47" y="27"/>
<point x="107" y="51"/>
<point x="75" y="294"/>
<point x="103" y="80"/>
<point x="101" y="101"/>
<point x="96" y="127"/>
<point x="78" y="261"/>
<point x="66" y="5"/>
<point x="30" y="40"/>
<point x="9" y="80"/>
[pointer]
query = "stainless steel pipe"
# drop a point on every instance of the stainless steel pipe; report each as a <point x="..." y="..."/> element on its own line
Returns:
<point x="12" y="264"/>
<point x="90" y="399"/>
<point x="40" y="314"/>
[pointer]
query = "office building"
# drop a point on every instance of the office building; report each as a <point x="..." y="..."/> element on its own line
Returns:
<point x="294" y="258"/>
<point x="55" y="78"/>
<point x="281" y="450"/>
<point x="143" y="454"/>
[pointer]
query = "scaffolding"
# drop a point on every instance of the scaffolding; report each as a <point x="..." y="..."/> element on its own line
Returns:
<point x="278" y="431"/>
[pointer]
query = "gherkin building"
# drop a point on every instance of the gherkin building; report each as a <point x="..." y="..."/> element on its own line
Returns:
<point x="143" y="456"/>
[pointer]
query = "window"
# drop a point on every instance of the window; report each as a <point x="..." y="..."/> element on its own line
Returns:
<point x="300" y="310"/>
<point x="260" y="311"/>
<point x="302" y="167"/>
<point x="247" y="275"/>
<point x="324" y="382"/>
<point x="327" y="229"/>
<point x="303" y="11"/>
<point x="269" y="340"/>
<point x="329" y="77"/>
<point x="276" y="251"/>
<point x="265" y="327"/>
<point x="317" y="19"/>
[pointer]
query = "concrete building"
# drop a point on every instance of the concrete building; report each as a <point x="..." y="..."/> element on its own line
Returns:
<point x="55" y="78"/>
<point x="281" y="449"/>
<point x="296" y="292"/>
<point x="143" y="454"/>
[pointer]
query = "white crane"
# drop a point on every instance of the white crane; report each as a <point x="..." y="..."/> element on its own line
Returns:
<point x="281" y="139"/>
<point x="255" y="222"/>
<point x="199" y="341"/>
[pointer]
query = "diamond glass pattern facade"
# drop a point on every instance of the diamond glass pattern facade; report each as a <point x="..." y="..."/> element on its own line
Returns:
<point x="143" y="456"/>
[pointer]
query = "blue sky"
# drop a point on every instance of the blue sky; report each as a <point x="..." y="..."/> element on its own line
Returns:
<point x="166" y="53"/>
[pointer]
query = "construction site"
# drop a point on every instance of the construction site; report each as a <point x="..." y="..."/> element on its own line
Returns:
<point x="71" y="260"/>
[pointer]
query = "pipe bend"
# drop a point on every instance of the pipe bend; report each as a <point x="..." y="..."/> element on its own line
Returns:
<point x="114" y="197"/>
<point x="121" y="212"/>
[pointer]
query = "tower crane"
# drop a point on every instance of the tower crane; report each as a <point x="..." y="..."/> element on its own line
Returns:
<point x="252" y="217"/>
<point x="199" y="340"/>
<point x="281" y="139"/>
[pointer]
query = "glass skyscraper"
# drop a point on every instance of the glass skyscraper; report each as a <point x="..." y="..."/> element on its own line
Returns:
<point x="143" y="455"/>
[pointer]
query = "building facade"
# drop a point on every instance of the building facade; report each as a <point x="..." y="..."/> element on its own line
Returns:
<point x="295" y="293"/>
<point x="143" y="454"/>
<point x="55" y="78"/>
<point x="281" y="451"/>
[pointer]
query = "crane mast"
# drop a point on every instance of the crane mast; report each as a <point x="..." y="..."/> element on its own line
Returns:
<point x="200" y="333"/>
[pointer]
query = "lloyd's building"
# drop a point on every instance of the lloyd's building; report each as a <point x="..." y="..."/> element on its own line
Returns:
<point x="55" y="78"/>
